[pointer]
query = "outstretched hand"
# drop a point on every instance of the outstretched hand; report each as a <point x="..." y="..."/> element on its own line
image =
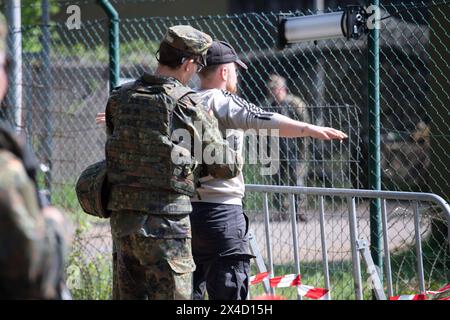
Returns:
<point x="325" y="133"/>
<point x="100" y="118"/>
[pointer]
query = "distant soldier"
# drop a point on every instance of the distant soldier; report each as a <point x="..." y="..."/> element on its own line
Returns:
<point x="150" y="190"/>
<point x="293" y="152"/>
<point x="32" y="235"/>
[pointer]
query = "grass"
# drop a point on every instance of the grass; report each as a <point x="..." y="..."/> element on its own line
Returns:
<point x="89" y="278"/>
<point x="436" y="265"/>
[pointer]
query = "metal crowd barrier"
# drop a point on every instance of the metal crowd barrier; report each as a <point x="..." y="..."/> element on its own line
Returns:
<point x="358" y="246"/>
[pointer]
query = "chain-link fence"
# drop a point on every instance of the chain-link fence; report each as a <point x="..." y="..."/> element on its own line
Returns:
<point x="65" y="84"/>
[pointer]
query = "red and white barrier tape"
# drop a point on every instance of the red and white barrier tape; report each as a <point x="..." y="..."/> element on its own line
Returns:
<point x="311" y="292"/>
<point x="258" y="278"/>
<point x="444" y="288"/>
<point x="409" y="297"/>
<point x="290" y="280"/>
<point x="422" y="296"/>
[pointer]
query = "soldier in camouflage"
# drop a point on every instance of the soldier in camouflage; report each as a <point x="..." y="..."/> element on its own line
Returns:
<point x="293" y="152"/>
<point x="152" y="175"/>
<point x="32" y="235"/>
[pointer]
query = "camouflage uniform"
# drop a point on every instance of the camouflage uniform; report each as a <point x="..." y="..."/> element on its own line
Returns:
<point x="31" y="245"/>
<point x="293" y="152"/>
<point x="150" y="195"/>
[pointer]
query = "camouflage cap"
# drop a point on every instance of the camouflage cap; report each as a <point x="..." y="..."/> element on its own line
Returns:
<point x="188" y="39"/>
<point x="3" y="31"/>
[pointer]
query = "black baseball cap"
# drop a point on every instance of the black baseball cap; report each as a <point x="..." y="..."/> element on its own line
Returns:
<point x="222" y="52"/>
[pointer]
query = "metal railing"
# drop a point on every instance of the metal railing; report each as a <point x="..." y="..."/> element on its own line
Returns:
<point x="357" y="244"/>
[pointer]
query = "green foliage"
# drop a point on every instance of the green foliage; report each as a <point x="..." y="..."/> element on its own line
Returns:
<point x="139" y="51"/>
<point x="32" y="24"/>
<point x="89" y="271"/>
<point x="89" y="277"/>
<point x="64" y="196"/>
<point x="32" y="11"/>
<point x="90" y="55"/>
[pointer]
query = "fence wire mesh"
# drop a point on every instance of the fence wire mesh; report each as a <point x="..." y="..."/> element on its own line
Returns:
<point x="65" y="84"/>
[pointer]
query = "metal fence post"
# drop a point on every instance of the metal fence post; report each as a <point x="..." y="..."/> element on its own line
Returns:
<point x="419" y="252"/>
<point x="294" y="236"/>
<point x="268" y="238"/>
<point x="357" y="279"/>
<point x="376" y="244"/>
<point x="323" y="240"/>
<point x="114" y="44"/>
<point x="387" y="251"/>
<point x="13" y="15"/>
<point x="46" y="99"/>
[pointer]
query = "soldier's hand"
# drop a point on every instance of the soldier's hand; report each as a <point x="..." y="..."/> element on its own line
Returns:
<point x="325" y="133"/>
<point x="100" y="118"/>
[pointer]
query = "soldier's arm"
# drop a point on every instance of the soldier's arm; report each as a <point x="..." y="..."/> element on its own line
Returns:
<point x="205" y="132"/>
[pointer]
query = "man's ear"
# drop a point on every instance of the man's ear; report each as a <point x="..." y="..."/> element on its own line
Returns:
<point x="186" y="64"/>
<point x="224" y="72"/>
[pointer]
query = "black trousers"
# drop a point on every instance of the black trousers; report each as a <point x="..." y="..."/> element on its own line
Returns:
<point x="220" y="247"/>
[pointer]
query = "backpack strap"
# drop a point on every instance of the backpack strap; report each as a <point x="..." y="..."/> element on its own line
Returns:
<point x="179" y="92"/>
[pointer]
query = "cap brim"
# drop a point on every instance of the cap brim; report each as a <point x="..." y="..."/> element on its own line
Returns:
<point x="241" y="64"/>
